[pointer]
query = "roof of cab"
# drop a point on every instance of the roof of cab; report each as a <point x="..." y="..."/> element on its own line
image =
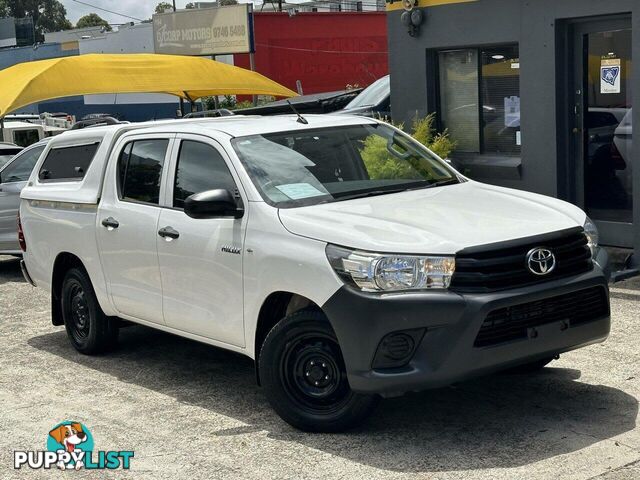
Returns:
<point x="234" y="126"/>
<point x="89" y="189"/>
<point x="243" y="125"/>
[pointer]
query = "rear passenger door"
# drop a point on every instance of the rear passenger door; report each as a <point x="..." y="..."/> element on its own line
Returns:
<point x="202" y="284"/>
<point x="128" y="223"/>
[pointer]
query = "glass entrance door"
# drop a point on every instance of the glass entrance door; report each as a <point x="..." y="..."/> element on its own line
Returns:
<point x="604" y="97"/>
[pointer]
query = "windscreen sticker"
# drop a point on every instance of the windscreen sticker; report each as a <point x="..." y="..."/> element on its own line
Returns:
<point x="296" y="191"/>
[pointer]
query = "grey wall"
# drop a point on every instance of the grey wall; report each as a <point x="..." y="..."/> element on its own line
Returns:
<point x="531" y="24"/>
<point x="537" y="26"/>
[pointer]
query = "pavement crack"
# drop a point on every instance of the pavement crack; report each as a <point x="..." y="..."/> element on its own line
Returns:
<point x="617" y="469"/>
<point x="617" y="442"/>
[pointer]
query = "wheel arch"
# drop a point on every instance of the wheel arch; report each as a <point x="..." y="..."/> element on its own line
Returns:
<point x="62" y="264"/>
<point x="274" y="308"/>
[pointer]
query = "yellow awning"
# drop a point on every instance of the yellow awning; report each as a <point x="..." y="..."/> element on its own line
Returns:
<point x="187" y="77"/>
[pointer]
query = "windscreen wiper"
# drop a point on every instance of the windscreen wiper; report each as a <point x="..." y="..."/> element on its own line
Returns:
<point x="442" y="183"/>
<point x="373" y="193"/>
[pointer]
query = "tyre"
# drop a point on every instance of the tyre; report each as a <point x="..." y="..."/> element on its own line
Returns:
<point x="88" y="328"/>
<point x="532" y="367"/>
<point x="304" y="377"/>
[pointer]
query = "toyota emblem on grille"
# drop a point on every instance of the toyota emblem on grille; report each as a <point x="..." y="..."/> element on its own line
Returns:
<point x="541" y="261"/>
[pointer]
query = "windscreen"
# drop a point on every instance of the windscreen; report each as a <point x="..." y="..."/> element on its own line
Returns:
<point x="7" y="154"/>
<point x="24" y="138"/>
<point x="372" y="95"/>
<point x="4" y="159"/>
<point x="307" y="167"/>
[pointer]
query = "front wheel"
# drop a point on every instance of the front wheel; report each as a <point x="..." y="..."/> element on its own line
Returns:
<point x="88" y="328"/>
<point x="304" y="377"/>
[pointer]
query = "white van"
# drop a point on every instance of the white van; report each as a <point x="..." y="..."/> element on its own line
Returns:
<point x="347" y="260"/>
<point x="21" y="133"/>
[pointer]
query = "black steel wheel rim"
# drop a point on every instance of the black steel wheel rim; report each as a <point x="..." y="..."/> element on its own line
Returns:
<point x="313" y="373"/>
<point x="78" y="312"/>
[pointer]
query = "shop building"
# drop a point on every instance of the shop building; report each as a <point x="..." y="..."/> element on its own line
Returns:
<point x="537" y="94"/>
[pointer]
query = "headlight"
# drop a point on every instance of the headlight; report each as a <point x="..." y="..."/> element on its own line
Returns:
<point x="591" y="231"/>
<point x="373" y="272"/>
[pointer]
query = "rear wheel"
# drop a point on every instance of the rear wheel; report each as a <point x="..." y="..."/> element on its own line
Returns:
<point x="304" y="377"/>
<point x="88" y="328"/>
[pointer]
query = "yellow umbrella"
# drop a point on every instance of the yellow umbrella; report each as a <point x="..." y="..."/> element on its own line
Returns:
<point x="186" y="77"/>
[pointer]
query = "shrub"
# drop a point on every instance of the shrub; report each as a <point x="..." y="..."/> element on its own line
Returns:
<point x="382" y="165"/>
<point x="423" y="130"/>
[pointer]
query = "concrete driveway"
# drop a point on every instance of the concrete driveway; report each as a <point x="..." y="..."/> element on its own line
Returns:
<point x="192" y="411"/>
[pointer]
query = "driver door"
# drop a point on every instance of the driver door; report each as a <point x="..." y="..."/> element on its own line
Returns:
<point x="201" y="261"/>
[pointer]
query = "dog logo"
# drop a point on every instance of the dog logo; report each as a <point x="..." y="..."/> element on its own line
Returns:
<point x="70" y="447"/>
<point x="610" y="75"/>
<point x="71" y="436"/>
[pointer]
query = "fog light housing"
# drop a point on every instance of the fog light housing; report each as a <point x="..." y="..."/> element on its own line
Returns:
<point x="396" y="349"/>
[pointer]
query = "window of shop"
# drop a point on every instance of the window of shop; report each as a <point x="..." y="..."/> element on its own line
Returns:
<point x="480" y="99"/>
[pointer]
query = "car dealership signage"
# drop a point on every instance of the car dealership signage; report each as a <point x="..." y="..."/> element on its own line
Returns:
<point x="206" y="31"/>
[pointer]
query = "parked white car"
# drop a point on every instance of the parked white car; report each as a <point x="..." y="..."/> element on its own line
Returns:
<point x="346" y="259"/>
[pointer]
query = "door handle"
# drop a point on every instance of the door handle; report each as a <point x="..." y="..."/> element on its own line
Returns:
<point x="110" y="223"/>
<point x="168" y="233"/>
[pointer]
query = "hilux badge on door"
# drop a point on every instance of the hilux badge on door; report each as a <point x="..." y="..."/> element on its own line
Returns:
<point x="230" y="249"/>
<point x="541" y="261"/>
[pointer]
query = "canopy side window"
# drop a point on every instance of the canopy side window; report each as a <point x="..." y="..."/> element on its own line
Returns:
<point x="67" y="164"/>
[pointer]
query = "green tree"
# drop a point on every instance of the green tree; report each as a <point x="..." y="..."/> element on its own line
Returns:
<point x="93" y="20"/>
<point x="162" y="6"/>
<point x="48" y="15"/>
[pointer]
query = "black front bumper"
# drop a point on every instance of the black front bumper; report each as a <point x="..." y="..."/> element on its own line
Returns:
<point x="448" y="324"/>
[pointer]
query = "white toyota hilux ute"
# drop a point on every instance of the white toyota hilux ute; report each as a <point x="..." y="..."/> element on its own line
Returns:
<point x="349" y="261"/>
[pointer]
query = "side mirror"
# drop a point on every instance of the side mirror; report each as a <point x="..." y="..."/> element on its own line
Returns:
<point x="212" y="204"/>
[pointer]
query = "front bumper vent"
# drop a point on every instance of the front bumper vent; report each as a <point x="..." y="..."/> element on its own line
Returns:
<point x="513" y="323"/>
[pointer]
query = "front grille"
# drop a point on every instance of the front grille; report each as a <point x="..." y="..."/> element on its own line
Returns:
<point x="512" y="323"/>
<point x="493" y="268"/>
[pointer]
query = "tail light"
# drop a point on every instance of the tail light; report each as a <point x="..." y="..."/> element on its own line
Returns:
<point x="21" y="241"/>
